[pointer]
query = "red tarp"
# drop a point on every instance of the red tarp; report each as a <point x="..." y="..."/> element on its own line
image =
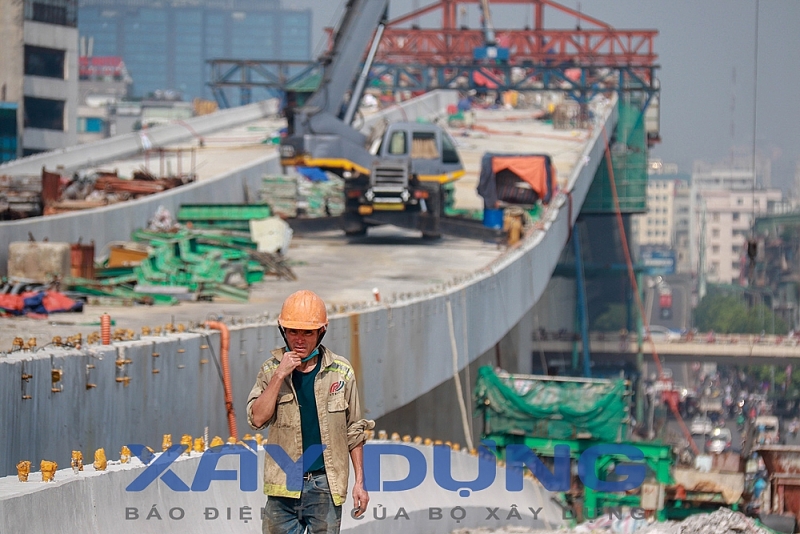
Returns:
<point x="531" y="170"/>
<point x="38" y="302"/>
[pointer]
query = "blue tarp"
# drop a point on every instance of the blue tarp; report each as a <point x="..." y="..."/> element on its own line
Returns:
<point x="314" y="174"/>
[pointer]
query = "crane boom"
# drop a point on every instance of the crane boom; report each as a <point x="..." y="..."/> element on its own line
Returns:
<point x="486" y="24"/>
<point x="322" y="112"/>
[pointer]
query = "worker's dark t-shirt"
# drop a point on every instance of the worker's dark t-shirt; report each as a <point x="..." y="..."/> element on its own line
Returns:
<point x="309" y="421"/>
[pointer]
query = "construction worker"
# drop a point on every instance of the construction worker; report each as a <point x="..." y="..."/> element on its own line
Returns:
<point x="307" y="395"/>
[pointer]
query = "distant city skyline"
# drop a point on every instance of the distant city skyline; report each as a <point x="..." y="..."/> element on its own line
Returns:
<point x="706" y="55"/>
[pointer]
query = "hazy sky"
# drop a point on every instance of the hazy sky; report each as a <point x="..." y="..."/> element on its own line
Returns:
<point x="706" y="52"/>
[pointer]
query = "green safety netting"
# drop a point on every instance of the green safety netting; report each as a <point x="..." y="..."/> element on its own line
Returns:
<point x="535" y="406"/>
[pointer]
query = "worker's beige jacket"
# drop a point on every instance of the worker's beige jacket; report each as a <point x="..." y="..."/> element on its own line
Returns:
<point x="341" y="424"/>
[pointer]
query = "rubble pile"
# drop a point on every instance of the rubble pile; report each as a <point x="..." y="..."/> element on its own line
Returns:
<point x="723" y="521"/>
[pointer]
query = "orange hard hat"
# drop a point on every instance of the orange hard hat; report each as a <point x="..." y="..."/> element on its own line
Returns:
<point x="303" y="310"/>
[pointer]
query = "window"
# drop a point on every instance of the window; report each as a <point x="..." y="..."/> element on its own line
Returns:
<point x="715" y="217"/>
<point x="423" y="145"/>
<point x="47" y="62"/>
<point x="739" y="201"/>
<point x="90" y="125"/>
<point x="715" y="232"/>
<point x="61" y="12"/>
<point x="44" y="113"/>
<point x="449" y="153"/>
<point x="397" y="144"/>
<point x="735" y="216"/>
<point x="8" y="132"/>
<point x="715" y="249"/>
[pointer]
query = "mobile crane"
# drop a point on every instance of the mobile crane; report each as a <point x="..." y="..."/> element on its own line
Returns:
<point x="404" y="177"/>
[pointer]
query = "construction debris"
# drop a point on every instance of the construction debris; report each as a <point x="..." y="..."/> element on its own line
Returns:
<point x="222" y="216"/>
<point x="292" y="196"/>
<point x="52" y="192"/>
<point x="103" y="188"/>
<point x="168" y="263"/>
<point x="280" y="193"/>
<point x="723" y="521"/>
<point x="20" y="197"/>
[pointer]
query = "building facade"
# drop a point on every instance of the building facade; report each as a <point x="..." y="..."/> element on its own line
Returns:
<point x="656" y="231"/>
<point x="681" y="229"/>
<point x="165" y="45"/>
<point x="38" y="76"/>
<point x="724" y="202"/>
<point x="725" y="219"/>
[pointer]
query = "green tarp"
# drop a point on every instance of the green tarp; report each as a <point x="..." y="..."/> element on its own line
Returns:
<point x="541" y="407"/>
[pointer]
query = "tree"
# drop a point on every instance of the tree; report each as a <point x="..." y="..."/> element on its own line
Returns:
<point x="613" y="319"/>
<point x="729" y="314"/>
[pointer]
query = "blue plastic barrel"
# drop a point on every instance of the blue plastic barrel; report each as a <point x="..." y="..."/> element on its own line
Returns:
<point x="493" y="219"/>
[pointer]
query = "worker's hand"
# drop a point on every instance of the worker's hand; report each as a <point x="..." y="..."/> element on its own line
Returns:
<point x="289" y="363"/>
<point x="360" y="500"/>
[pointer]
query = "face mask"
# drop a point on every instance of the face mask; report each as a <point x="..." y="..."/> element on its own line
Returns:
<point x="307" y="358"/>
<point x="316" y="351"/>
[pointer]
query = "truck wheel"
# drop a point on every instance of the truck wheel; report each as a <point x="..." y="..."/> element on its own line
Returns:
<point x="354" y="225"/>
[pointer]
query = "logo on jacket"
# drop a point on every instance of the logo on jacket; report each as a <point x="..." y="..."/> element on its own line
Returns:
<point x="337" y="386"/>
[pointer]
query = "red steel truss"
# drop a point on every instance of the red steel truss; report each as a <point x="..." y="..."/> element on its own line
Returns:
<point x="598" y="45"/>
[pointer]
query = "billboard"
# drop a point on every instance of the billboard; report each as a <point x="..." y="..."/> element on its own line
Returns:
<point x="659" y="261"/>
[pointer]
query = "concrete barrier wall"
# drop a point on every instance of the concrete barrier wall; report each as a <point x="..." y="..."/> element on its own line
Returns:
<point x="126" y="145"/>
<point x="116" y="222"/>
<point x="95" y="502"/>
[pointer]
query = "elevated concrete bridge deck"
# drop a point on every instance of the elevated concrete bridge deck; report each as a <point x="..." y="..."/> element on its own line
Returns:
<point x="452" y="311"/>
<point x="736" y="349"/>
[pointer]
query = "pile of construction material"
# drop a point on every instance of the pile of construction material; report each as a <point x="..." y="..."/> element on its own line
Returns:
<point x="280" y="193"/>
<point x="20" y="197"/>
<point x="102" y="188"/>
<point x="296" y="195"/>
<point x="184" y="264"/>
<point x="168" y="262"/>
<point x="323" y="199"/>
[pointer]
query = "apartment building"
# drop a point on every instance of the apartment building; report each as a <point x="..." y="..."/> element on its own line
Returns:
<point x="724" y="200"/>
<point x="38" y="76"/>
<point x="655" y="231"/>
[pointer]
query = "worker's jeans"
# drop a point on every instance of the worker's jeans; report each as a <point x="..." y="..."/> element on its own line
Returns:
<point x="314" y="510"/>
